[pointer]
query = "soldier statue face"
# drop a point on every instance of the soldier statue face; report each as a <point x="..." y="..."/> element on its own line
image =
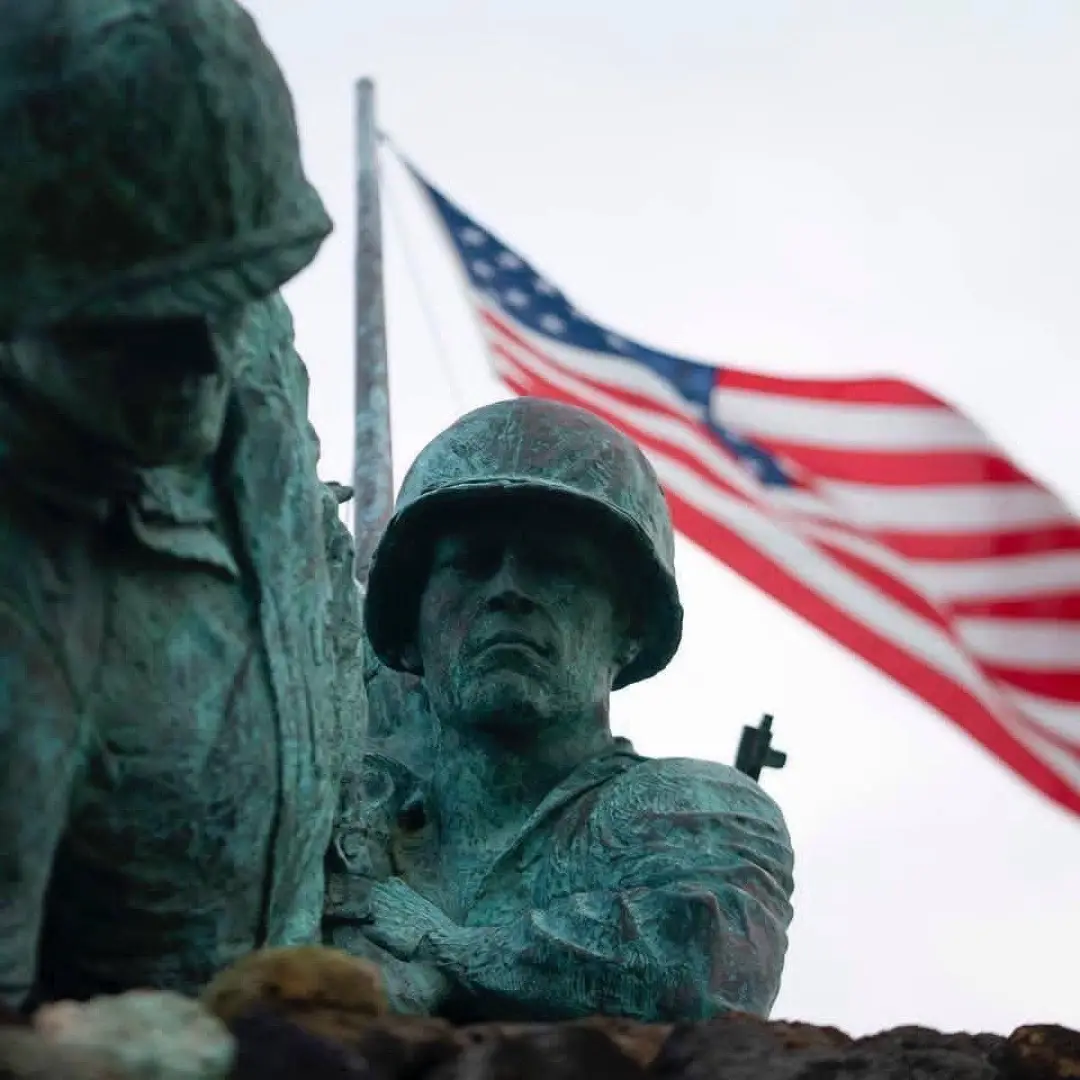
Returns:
<point x="521" y="622"/>
<point x="153" y="392"/>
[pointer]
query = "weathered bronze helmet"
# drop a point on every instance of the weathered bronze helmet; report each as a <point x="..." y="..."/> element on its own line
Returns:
<point x="149" y="163"/>
<point x="529" y="448"/>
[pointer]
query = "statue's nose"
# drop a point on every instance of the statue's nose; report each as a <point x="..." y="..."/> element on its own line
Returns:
<point x="511" y="586"/>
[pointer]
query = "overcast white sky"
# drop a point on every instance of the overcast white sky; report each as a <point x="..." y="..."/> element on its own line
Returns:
<point x="816" y="187"/>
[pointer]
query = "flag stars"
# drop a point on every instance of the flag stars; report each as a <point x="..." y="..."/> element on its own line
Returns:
<point x="517" y="298"/>
<point x="552" y="323"/>
<point x="617" y="343"/>
<point x="471" y="236"/>
<point x="545" y="288"/>
<point x="483" y="270"/>
<point x="508" y="260"/>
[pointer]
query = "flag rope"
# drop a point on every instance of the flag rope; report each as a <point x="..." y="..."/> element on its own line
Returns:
<point x="412" y="268"/>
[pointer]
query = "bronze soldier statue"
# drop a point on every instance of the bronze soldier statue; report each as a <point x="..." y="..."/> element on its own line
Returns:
<point x="529" y="865"/>
<point x="180" y="642"/>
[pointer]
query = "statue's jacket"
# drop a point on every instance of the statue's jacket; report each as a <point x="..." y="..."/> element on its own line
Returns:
<point x="655" y="889"/>
<point x="181" y="687"/>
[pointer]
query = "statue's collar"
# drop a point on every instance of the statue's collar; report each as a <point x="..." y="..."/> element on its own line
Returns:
<point x="420" y="808"/>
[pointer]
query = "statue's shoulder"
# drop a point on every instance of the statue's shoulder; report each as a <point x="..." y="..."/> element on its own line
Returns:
<point x="267" y="349"/>
<point x="691" y="786"/>
<point x="694" y="812"/>
<point x="268" y="326"/>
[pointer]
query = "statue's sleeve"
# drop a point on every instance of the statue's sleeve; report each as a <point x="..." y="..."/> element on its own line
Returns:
<point x="42" y="742"/>
<point x="692" y="923"/>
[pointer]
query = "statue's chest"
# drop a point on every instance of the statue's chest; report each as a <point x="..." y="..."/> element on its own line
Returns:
<point x="185" y="763"/>
<point x="463" y="870"/>
<point x="502" y="872"/>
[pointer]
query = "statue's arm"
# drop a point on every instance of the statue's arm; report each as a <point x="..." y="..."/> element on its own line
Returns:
<point x="41" y="747"/>
<point x="694" y="923"/>
<point x="413" y="988"/>
<point x="360" y="856"/>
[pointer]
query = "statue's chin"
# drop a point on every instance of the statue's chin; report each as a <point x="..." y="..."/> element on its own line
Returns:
<point x="511" y="700"/>
<point x="178" y="437"/>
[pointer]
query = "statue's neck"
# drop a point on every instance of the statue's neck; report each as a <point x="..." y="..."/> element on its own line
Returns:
<point x="500" y="778"/>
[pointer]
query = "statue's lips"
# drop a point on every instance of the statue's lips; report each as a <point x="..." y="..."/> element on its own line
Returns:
<point x="513" y="639"/>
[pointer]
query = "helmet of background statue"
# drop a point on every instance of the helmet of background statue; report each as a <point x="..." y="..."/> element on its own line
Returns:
<point x="150" y="164"/>
<point x="593" y="477"/>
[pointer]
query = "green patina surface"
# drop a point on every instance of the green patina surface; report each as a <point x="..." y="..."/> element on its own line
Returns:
<point x="182" y="696"/>
<point x="513" y="858"/>
<point x="181" y="687"/>
<point x="180" y="649"/>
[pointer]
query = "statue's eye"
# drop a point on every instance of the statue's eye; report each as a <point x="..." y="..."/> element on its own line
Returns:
<point x="479" y="560"/>
<point x="472" y="556"/>
<point x="555" y="559"/>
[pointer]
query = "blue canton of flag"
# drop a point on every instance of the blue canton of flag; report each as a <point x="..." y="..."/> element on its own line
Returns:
<point x="529" y="299"/>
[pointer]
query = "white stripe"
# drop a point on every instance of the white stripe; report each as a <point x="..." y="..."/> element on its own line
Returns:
<point x="918" y="637"/>
<point x="1055" y="716"/>
<point x="1034" y="644"/>
<point x="561" y="372"/>
<point x="915" y="635"/>
<point x="1002" y="578"/>
<point x="954" y="508"/>
<point x="622" y="374"/>
<point x="869" y="550"/>
<point x="1053" y="756"/>
<point x="845" y="425"/>
<point x="668" y="429"/>
<point x="1010" y="577"/>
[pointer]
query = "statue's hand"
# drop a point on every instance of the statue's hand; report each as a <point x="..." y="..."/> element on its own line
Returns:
<point x="412" y="987"/>
<point x="399" y="919"/>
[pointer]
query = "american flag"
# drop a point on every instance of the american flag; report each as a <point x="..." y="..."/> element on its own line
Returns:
<point x="870" y="507"/>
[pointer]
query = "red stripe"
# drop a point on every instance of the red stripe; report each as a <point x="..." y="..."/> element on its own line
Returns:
<point x="891" y="469"/>
<point x="721" y="541"/>
<point x="939" y="546"/>
<point x="849" y="391"/>
<point x="541" y="387"/>
<point x="886" y="469"/>
<point x="954" y="701"/>
<point x="876" y="577"/>
<point x="632" y="398"/>
<point x="887" y="584"/>
<point x="966" y="547"/>
<point x="1062" y="686"/>
<point x="1064" y="606"/>
<point x="527" y="382"/>
<point x="915" y="546"/>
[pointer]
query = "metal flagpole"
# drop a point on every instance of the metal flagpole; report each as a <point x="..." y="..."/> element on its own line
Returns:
<point x="373" y="478"/>
<point x="395" y="700"/>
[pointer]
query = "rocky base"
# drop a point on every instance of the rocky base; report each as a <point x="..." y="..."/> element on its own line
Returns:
<point x="312" y="1014"/>
<point x="732" y="1048"/>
